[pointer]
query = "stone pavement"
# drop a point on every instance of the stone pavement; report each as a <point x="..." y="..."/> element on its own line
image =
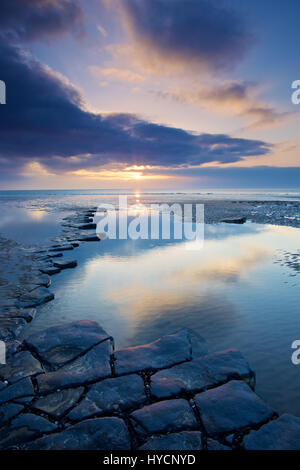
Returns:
<point x="66" y="388"/>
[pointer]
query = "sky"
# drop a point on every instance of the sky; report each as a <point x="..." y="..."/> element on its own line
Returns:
<point x="149" y="94"/>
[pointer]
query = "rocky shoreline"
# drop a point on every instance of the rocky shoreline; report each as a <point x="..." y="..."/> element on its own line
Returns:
<point x="68" y="388"/>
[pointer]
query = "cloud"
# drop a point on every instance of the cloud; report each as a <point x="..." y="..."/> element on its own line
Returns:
<point x="45" y="120"/>
<point x="40" y="19"/>
<point x="176" y="35"/>
<point x="233" y="97"/>
<point x="116" y="74"/>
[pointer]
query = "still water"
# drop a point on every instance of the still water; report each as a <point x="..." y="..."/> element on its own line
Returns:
<point x="236" y="292"/>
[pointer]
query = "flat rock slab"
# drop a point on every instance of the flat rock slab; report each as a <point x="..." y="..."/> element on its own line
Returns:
<point x="65" y="264"/>
<point x="164" y="416"/>
<point x="50" y="271"/>
<point x="231" y="407"/>
<point x="18" y="366"/>
<point x="235" y="220"/>
<point x="36" y="297"/>
<point x="185" y="440"/>
<point x="8" y="411"/>
<point x="280" y="434"/>
<point x="87" y="226"/>
<point x="91" y="367"/>
<point x="62" y="248"/>
<point x="54" y="255"/>
<point x="23" y="388"/>
<point x="60" y="344"/>
<point x="89" y="238"/>
<point x="11" y="328"/>
<point x="111" y="395"/>
<point x="41" y="280"/>
<point x="58" y="403"/>
<point x="164" y="352"/>
<point x="24" y="428"/>
<point x="93" y="434"/>
<point x="200" y="374"/>
<point x="216" y="445"/>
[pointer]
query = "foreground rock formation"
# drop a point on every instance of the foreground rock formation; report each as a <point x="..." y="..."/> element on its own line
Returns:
<point x="66" y="388"/>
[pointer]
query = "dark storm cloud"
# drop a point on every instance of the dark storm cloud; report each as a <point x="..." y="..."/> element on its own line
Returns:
<point x="29" y="20"/>
<point x="192" y="32"/>
<point x="44" y="120"/>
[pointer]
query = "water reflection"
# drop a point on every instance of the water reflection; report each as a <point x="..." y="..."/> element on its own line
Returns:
<point x="229" y="294"/>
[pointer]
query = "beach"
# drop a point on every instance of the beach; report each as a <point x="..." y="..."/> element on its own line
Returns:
<point x="240" y="291"/>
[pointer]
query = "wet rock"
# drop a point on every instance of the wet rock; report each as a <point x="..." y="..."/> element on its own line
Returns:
<point x="25" y="314"/>
<point x="22" y="388"/>
<point x="41" y="280"/>
<point x="231" y="407"/>
<point x="164" y="352"/>
<point x="89" y="238"/>
<point x="8" y="411"/>
<point x="93" y="434"/>
<point x="111" y="395"/>
<point x="201" y="373"/>
<point x="62" y="248"/>
<point x="18" y="366"/>
<point x="11" y="328"/>
<point x="185" y="440"/>
<point x="38" y="296"/>
<point x="58" y="403"/>
<point x="216" y="445"/>
<point x="60" y="344"/>
<point x="280" y="434"/>
<point x="24" y="428"/>
<point x="65" y="264"/>
<point x="233" y="220"/>
<point x="50" y="270"/>
<point x="88" y="226"/>
<point x="92" y="366"/>
<point x="54" y="255"/>
<point x="164" y="416"/>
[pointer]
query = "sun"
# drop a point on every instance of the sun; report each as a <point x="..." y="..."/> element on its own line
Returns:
<point x="138" y="176"/>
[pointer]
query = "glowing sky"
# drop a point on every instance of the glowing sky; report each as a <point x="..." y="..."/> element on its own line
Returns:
<point x="154" y="94"/>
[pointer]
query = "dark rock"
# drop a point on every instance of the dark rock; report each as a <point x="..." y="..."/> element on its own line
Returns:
<point x="25" y="314"/>
<point x="58" y="403"/>
<point x="164" y="416"/>
<point x="111" y="395"/>
<point x="19" y="389"/>
<point x="185" y="440"/>
<point x="41" y="280"/>
<point x="38" y="296"/>
<point x="8" y="411"/>
<point x="62" y="248"/>
<point x="24" y="428"/>
<point x="65" y="264"/>
<point x="231" y="407"/>
<point x="18" y="366"/>
<point x="50" y="271"/>
<point x="237" y="220"/>
<point x="164" y="352"/>
<point x="216" y="445"/>
<point x="280" y="434"/>
<point x="92" y="366"/>
<point x="89" y="238"/>
<point x="54" y="255"/>
<point x="88" y="226"/>
<point x="93" y="434"/>
<point x="201" y="373"/>
<point x="63" y="343"/>
<point x="75" y="244"/>
<point x="11" y="328"/>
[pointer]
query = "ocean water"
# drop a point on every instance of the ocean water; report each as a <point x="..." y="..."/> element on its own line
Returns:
<point x="241" y="290"/>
